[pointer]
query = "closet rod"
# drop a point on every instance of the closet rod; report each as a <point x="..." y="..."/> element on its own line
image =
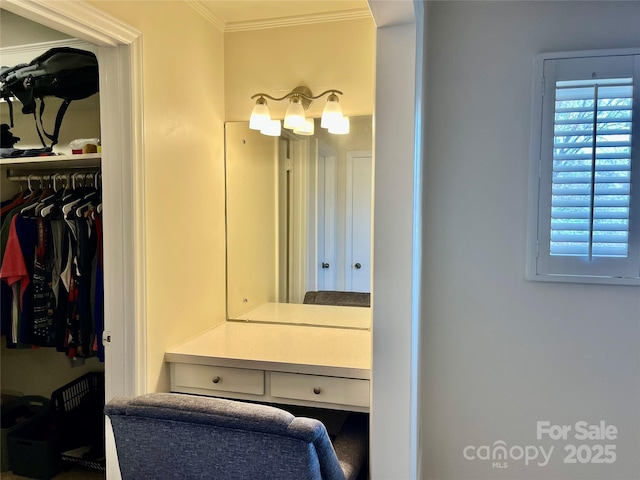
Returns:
<point x="93" y="178"/>
<point x="50" y="176"/>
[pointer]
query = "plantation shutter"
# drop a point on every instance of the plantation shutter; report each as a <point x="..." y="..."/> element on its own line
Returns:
<point x="588" y="178"/>
<point x="591" y="168"/>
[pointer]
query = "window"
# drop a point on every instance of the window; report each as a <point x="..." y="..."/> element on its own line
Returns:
<point x="585" y="168"/>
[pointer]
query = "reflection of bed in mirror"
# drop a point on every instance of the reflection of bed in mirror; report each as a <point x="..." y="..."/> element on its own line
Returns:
<point x="299" y="215"/>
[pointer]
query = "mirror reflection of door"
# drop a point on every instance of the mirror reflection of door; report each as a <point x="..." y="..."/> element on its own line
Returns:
<point x="283" y="192"/>
<point x="328" y="235"/>
<point x="358" y="222"/>
<point x="327" y="198"/>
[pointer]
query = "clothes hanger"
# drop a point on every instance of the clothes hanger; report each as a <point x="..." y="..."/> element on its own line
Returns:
<point x="55" y="199"/>
<point x="32" y="200"/>
<point x="81" y="194"/>
<point x="94" y="197"/>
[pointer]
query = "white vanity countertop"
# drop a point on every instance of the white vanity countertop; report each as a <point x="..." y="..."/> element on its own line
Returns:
<point x="319" y="315"/>
<point x="314" y="350"/>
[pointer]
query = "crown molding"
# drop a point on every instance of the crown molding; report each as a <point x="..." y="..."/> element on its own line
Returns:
<point x="291" y="21"/>
<point x="298" y="20"/>
<point x="206" y="13"/>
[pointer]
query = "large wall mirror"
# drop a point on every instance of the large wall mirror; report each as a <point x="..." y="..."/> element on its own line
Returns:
<point x="299" y="211"/>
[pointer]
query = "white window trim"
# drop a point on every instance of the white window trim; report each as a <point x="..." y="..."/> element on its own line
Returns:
<point x="532" y="272"/>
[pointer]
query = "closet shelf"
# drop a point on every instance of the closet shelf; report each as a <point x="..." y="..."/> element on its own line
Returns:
<point x="86" y="160"/>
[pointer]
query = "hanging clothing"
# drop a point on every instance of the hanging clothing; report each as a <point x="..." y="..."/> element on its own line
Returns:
<point x="43" y="295"/>
<point x="51" y="272"/>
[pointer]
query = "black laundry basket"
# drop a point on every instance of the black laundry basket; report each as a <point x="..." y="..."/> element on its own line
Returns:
<point x="78" y="408"/>
<point x="18" y="413"/>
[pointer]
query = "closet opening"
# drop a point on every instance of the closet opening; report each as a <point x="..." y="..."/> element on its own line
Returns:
<point x="51" y="272"/>
<point x="119" y="50"/>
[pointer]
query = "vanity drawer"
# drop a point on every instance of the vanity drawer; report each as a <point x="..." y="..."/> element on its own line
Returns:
<point x="223" y="379"/>
<point x="317" y="388"/>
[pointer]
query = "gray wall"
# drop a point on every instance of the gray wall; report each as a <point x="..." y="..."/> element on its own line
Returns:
<point x="500" y="353"/>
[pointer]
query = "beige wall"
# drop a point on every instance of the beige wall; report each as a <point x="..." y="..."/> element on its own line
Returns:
<point x="338" y="55"/>
<point x="184" y="173"/>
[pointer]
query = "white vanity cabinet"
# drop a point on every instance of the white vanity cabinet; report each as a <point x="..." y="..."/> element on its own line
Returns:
<point x="274" y="363"/>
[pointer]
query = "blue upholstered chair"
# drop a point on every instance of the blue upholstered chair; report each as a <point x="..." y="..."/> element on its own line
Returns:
<point x="168" y="435"/>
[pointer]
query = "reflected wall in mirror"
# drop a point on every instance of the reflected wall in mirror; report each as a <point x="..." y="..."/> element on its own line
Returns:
<point x="299" y="212"/>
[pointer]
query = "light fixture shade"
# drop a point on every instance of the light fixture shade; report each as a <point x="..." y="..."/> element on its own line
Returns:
<point x="341" y="127"/>
<point x="260" y="115"/>
<point x="332" y="113"/>
<point x="307" y="127"/>
<point x="294" y="117"/>
<point x="273" y="128"/>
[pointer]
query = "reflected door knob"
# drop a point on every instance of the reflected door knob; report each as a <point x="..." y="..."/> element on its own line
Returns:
<point x="357" y="265"/>
<point x="325" y="265"/>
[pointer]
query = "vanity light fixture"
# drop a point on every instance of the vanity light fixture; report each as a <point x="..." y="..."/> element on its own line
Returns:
<point x="341" y="127"/>
<point x="273" y="128"/>
<point x="294" y="117"/>
<point x="332" y="114"/>
<point x="299" y="100"/>
<point x="307" y="128"/>
<point x="260" y="115"/>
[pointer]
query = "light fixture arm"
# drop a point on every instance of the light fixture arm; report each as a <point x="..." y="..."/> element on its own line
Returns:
<point x="298" y="92"/>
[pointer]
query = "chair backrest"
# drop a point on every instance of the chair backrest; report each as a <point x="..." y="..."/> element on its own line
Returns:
<point x="344" y="299"/>
<point x="169" y="435"/>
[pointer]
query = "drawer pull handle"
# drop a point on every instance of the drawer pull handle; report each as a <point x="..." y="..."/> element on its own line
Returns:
<point x="317" y="390"/>
<point x="216" y="379"/>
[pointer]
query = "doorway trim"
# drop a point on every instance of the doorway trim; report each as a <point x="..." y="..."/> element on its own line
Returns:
<point x="397" y="245"/>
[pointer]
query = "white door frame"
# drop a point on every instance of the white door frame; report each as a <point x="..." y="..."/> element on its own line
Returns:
<point x="119" y="55"/>
<point x="395" y="410"/>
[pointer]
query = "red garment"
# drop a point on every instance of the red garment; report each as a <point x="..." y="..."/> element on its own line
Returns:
<point x="20" y="199"/>
<point x="13" y="267"/>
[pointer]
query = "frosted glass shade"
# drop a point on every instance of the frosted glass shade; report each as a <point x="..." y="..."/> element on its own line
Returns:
<point x="294" y="117"/>
<point x="332" y="114"/>
<point x="273" y="128"/>
<point x="341" y="127"/>
<point x="307" y="128"/>
<point x="260" y="115"/>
